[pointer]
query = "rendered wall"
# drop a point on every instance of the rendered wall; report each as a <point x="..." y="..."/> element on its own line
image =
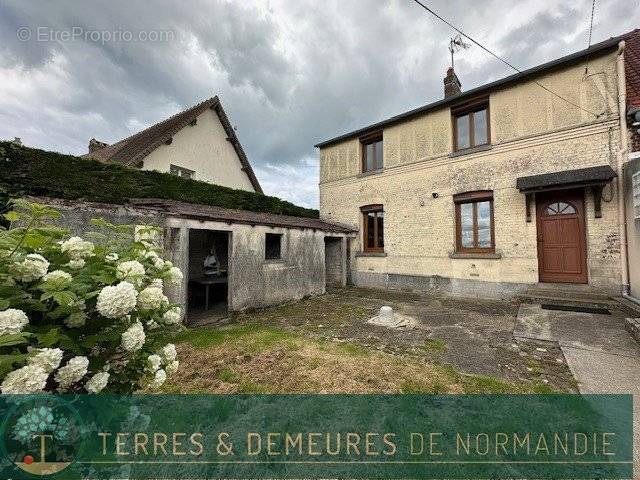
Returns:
<point x="204" y="149"/>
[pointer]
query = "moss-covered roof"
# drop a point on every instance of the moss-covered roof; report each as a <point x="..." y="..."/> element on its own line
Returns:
<point x="30" y="171"/>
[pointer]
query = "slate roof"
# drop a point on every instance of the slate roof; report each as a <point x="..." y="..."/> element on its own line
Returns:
<point x="131" y="150"/>
<point x="632" y="68"/>
<point x="206" y="212"/>
<point x="525" y="74"/>
<point x="589" y="176"/>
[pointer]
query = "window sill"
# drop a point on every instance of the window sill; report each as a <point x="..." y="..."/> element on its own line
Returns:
<point x="469" y="151"/>
<point x="274" y="261"/>
<point x="370" y="172"/>
<point x="476" y="256"/>
<point x="371" y="254"/>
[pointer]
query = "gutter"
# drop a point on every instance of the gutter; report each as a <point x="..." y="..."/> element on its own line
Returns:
<point x="622" y="152"/>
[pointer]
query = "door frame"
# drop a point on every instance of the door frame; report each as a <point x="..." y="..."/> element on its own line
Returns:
<point x="574" y="196"/>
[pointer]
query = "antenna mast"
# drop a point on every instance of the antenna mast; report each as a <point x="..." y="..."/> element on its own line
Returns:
<point x="455" y="45"/>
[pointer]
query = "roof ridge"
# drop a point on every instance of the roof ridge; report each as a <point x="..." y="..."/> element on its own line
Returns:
<point x="172" y="117"/>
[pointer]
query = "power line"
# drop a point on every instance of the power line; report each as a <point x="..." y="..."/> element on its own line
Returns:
<point x="471" y="39"/>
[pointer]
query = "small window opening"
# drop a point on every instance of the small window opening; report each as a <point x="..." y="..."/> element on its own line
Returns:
<point x="273" y="246"/>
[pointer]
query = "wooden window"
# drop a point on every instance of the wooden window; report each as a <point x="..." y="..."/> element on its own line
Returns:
<point x="272" y="246"/>
<point x="373" y="228"/>
<point x="181" y="171"/>
<point x="471" y="125"/>
<point x="372" y="155"/>
<point x="475" y="231"/>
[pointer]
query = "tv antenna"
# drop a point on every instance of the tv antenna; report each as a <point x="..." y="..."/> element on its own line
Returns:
<point x="456" y="44"/>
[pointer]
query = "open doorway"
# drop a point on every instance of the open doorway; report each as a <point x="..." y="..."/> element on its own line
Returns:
<point x="333" y="261"/>
<point x="208" y="293"/>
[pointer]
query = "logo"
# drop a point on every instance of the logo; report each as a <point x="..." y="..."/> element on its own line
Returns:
<point x="40" y="435"/>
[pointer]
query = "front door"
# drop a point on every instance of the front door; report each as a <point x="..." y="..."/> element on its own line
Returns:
<point x="562" y="253"/>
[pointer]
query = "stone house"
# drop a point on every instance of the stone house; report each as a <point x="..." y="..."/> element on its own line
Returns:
<point x="197" y="143"/>
<point x="491" y="190"/>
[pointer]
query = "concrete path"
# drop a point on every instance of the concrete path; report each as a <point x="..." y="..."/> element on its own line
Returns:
<point x="601" y="354"/>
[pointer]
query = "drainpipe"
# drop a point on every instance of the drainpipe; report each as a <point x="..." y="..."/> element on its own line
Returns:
<point x="622" y="152"/>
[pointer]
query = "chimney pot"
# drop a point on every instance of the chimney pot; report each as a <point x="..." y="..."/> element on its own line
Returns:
<point x="452" y="85"/>
<point x="96" y="145"/>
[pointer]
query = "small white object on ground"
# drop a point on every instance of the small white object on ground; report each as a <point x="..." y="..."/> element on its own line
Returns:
<point x="388" y="318"/>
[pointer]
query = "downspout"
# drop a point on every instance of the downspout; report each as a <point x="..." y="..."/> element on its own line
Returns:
<point x="622" y="152"/>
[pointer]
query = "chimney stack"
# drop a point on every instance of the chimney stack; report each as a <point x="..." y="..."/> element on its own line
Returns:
<point x="451" y="83"/>
<point x="96" y="145"/>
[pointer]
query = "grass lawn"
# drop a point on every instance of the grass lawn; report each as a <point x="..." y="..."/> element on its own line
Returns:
<point x="257" y="358"/>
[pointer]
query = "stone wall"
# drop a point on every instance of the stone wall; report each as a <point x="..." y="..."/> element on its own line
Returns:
<point x="531" y="133"/>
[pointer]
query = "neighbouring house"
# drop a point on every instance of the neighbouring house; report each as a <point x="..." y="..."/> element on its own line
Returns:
<point x="632" y="166"/>
<point x="239" y="250"/>
<point x="491" y="190"/>
<point x="198" y="143"/>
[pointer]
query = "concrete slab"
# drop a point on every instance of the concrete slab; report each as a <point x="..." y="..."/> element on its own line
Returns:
<point x="599" y="372"/>
<point x="595" y="332"/>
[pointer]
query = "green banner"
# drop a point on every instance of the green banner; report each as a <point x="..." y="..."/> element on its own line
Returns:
<point x="316" y="436"/>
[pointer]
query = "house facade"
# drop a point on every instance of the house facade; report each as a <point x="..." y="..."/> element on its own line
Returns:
<point x="491" y="190"/>
<point x="198" y="143"/>
<point x="632" y="166"/>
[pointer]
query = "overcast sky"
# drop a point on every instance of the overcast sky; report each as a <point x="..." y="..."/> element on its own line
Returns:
<point x="289" y="72"/>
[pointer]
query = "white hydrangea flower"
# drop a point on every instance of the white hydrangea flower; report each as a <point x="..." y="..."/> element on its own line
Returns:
<point x="175" y="275"/>
<point x="132" y="271"/>
<point x="152" y="325"/>
<point x="47" y="358"/>
<point x="29" y="379"/>
<point x="97" y="383"/>
<point x="76" y="320"/>
<point x="33" y="267"/>
<point x="172" y="316"/>
<point x="116" y="301"/>
<point x="12" y="321"/>
<point x="58" y="276"/>
<point x="154" y="362"/>
<point x="158" y="283"/>
<point x="172" y="367"/>
<point x="159" y="378"/>
<point x="76" y="264"/>
<point x="111" y="257"/>
<point x="77" y="248"/>
<point x="72" y="372"/>
<point x="168" y="353"/>
<point x="158" y="263"/>
<point x="133" y="338"/>
<point x="151" y="298"/>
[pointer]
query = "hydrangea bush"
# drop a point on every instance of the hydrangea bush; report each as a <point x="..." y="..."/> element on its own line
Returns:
<point x="83" y="315"/>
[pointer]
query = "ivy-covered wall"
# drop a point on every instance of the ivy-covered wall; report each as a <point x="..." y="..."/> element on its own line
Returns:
<point x="30" y="171"/>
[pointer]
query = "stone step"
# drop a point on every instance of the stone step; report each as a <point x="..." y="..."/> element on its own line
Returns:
<point x="574" y="300"/>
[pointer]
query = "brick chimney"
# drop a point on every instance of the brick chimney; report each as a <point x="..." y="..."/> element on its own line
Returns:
<point x="451" y="83"/>
<point x="96" y="145"/>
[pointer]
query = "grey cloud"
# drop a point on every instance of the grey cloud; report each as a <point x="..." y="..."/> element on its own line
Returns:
<point x="289" y="73"/>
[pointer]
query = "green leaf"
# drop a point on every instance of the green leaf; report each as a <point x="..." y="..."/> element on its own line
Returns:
<point x="14" y="339"/>
<point x="12" y="216"/>
<point x="50" y="338"/>
<point x="4" y="304"/>
<point x="64" y="298"/>
<point x="8" y="361"/>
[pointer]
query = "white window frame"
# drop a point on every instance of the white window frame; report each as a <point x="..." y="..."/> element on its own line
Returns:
<point x="182" y="172"/>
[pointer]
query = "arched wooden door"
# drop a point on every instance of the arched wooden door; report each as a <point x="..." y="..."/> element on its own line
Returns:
<point x="562" y="252"/>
